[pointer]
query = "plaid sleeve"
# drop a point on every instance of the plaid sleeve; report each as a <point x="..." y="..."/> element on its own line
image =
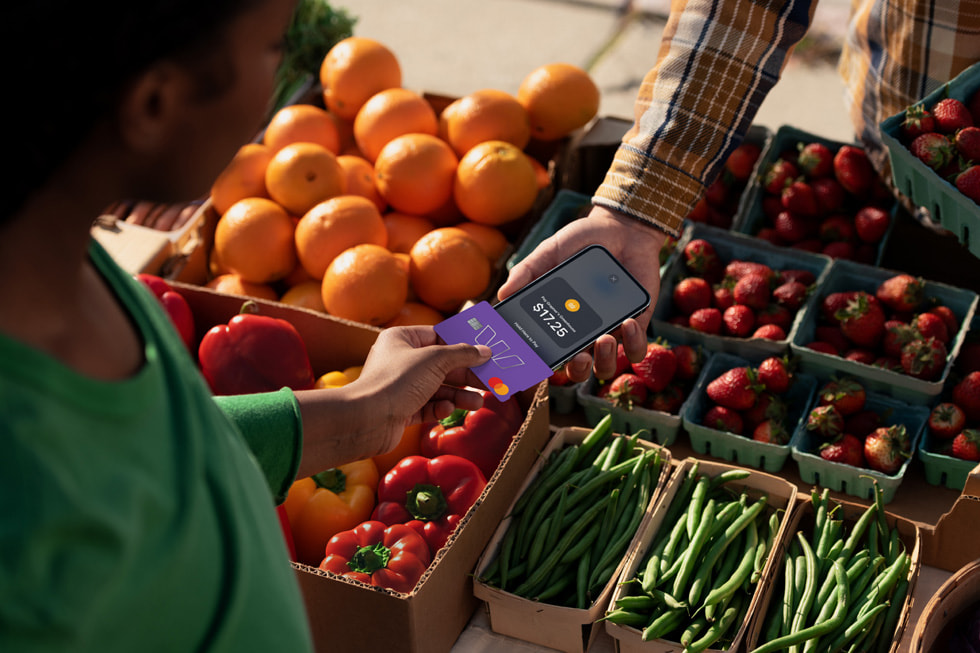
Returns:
<point x="717" y="61"/>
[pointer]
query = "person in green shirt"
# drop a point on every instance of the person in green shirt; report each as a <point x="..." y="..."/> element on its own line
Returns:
<point x="136" y="509"/>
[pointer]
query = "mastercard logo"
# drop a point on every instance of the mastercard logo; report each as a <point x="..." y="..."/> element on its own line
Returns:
<point x="572" y="305"/>
<point x="498" y="386"/>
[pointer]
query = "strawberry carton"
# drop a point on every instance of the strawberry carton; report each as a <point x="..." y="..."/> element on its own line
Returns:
<point x="819" y="195"/>
<point x="951" y="444"/>
<point x="872" y="443"/>
<point x="938" y="191"/>
<point x="646" y="398"/>
<point x="733" y="293"/>
<point x="848" y="326"/>
<point x="757" y="436"/>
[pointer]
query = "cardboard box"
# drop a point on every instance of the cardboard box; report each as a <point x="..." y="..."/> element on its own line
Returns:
<point x="945" y="608"/>
<point x="909" y="533"/>
<point x="557" y="627"/>
<point x="953" y="542"/>
<point x="781" y="495"/>
<point x="350" y="616"/>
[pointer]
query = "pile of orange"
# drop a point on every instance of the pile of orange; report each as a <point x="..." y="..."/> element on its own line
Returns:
<point x="375" y="207"/>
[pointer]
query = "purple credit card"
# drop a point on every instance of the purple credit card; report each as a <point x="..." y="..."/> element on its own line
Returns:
<point x="513" y="367"/>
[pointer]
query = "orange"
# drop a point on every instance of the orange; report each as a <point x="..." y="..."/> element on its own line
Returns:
<point x="543" y="176"/>
<point x="390" y="113"/>
<point x="334" y="225"/>
<point x="301" y="175"/>
<point x="353" y="70"/>
<point x="447" y="268"/>
<point x="559" y="98"/>
<point x="359" y="179"/>
<point x="415" y="173"/>
<point x="244" y="176"/>
<point x="254" y="239"/>
<point x="365" y="283"/>
<point x="446" y="215"/>
<point x="410" y="444"/>
<point x="416" y="313"/>
<point x="484" y="115"/>
<point x="491" y="240"/>
<point x="495" y="183"/>
<point x="331" y="379"/>
<point x="298" y="123"/>
<point x="298" y="274"/>
<point x="305" y="294"/>
<point x="232" y="284"/>
<point x="404" y="229"/>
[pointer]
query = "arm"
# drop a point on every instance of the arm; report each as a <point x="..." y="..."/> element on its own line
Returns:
<point x="717" y="62"/>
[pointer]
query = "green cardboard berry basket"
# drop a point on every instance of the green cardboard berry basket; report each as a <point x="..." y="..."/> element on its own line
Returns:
<point x="729" y="246"/>
<point x="948" y="207"/>
<point x="940" y="468"/>
<point x="751" y="217"/>
<point x="858" y="481"/>
<point x="742" y="449"/>
<point x="848" y="275"/>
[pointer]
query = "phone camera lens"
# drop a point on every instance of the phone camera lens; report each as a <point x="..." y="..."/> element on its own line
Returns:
<point x="613" y="278"/>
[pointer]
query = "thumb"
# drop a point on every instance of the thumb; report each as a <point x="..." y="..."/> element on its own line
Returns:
<point x="452" y="357"/>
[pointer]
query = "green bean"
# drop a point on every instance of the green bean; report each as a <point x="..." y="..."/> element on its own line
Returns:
<point x="581" y="547"/>
<point x="717" y="629"/>
<point x="857" y="532"/>
<point x="666" y="599"/>
<point x="677" y="533"/>
<point x="555" y="527"/>
<point x="625" y="617"/>
<point x="742" y="571"/>
<point x="613" y="451"/>
<point x="698" y="497"/>
<point x="581" y="588"/>
<point x="855" y="627"/>
<point x="896" y="605"/>
<point x="626" y="531"/>
<point x="681" y="499"/>
<point x="697" y="625"/>
<point x="663" y="624"/>
<point x="747" y="516"/>
<point x="537" y="544"/>
<point x="651" y="569"/>
<point x="638" y="602"/>
<point x="856" y="566"/>
<point x="764" y="547"/>
<point x="690" y="556"/>
<point x="774" y="620"/>
<point x="549" y="477"/>
<point x="728" y="476"/>
<point x="506" y="546"/>
<point x="599" y="434"/>
<point x="809" y="588"/>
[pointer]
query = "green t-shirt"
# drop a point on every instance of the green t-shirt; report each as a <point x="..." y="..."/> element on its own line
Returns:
<point x="133" y="514"/>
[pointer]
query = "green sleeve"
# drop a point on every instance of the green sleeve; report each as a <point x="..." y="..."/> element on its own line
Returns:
<point x="273" y="429"/>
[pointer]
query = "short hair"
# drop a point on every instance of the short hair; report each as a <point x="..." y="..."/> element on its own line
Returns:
<point x="81" y="56"/>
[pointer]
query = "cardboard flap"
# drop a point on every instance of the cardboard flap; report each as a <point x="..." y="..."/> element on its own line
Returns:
<point x="949" y="546"/>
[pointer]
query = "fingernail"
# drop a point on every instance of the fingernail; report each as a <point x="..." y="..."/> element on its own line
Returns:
<point x="485" y="351"/>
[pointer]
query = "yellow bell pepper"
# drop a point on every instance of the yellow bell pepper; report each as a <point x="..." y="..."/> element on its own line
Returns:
<point x="327" y="503"/>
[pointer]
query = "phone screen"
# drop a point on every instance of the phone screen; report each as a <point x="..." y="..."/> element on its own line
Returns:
<point x="565" y="310"/>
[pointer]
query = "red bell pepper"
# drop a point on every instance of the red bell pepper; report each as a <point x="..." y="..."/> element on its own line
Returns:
<point x="394" y="557"/>
<point x="174" y="304"/>
<point x="430" y="495"/>
<point x="254" y="353"/>
<point x="481" y="436"/>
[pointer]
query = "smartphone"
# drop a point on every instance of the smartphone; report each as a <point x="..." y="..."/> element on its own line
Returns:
<point x="563" y="312"/>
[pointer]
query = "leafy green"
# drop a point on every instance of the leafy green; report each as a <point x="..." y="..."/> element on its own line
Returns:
<point x="314" y="29"/>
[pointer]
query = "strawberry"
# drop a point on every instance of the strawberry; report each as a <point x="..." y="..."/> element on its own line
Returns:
<point x="559" y="378"/>
<point x="834" y="302"/>
<point x="690" y="360"/>
<point x="742" y="160"/>
<point x="752" y="290"/>
<point x="830" y="195"/>
<point x="966" y="445"/>
<point x="767" y="406"/>
<point x="853" y="169"/>
<point x="951" y="115"/>
<point x="839" y="249"/>
<point x="777" y="175"/>
<point x="776" y="374"/>
<point x="822" y="347"/>
<point x="690" y="294"/>
<point x="889" y="363"/>
<point x="847" y="395"/>
<point x="815" y="160"/>
<point x="901" y="292"/>
<point x="717" y="191"/>
<point x="968" y="182"/>
<point x="967" y="143"/>
<point x="738" y="320"/>
<point x="724" y="419"/>
<point x="948" y="317"/>
<point x="806" y="277"/>
<point x="859" y="355"/>
<point x="968" y="360"/>
<point x="790" y="294"/>
<point x="918" y="120"/>
<point x="737" y="388"/>
<point x="622" y="360"/>
<point x="625" y="391"/>
<point x="811" y="244"/>
<point x="794" y="227"/>
<point x="930" y="325"/>
<point x="736" y="269"/>
<point x="847" y="450"/>
<point x="933" y="149"/>
<point x="837" y="227"/>
<point x="706" y="320"/>
<point x="897" y="335"/>
<point x="833" y="336"/>
<point x="770" y="431"/>
<point x="657" y="368"/>
<point x="887" y="448"/>
<point x="825" y="421"/>
<point x="721" y="294"/>
<point x="770" y="332"/>
<point x="699" y="212"/>
<point x="862" y="320"/>
<point x="700" y="258"/>
<point x="670" y="244"/>
<point x="973" y="104"/>
<point x="798" y="197"/>
<point x="668" y="400"/>
<point x="966" y="395"/>
<point x="924" y="358"/>
<point x="946" y="419"/>
<point x="863" y="422"/>
<point x="871" y="223"/>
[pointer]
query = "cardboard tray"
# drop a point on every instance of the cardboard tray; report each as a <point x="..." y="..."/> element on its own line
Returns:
<point x="742" y="449"/>
<point x="557" y="627"/>
<point x="729" y="246"/>
<point x="751" y="217"/>
<point x="948" y="207"/>
<point x="782" y="495"/>
<point x="960" y="592"/>
<point x="909" y="533"/>
<point x="848" y="275"/>
<point x="859" y="481"/>
<point x="436" y="612"/>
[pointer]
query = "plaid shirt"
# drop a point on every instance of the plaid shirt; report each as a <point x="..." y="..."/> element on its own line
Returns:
<point x="718" y="60"/>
